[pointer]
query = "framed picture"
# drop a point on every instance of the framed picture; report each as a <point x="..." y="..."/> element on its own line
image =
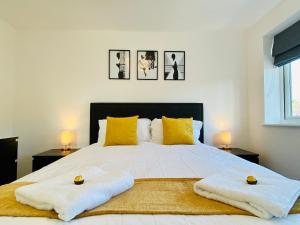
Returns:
<point x="174" y="65"/>
<point x="147" y="65"/>
<point x="119" y="64"/>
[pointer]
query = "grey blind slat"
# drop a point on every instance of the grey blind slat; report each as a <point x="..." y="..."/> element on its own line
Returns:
<point x="286" y="47"/>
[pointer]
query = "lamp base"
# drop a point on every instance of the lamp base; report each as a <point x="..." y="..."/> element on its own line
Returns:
<point x="227" y="148"/>
<point x="66" y="148"/>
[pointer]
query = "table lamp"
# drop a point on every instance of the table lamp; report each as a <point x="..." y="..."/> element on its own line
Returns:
<point x="66" y="138"/>
<point x="225" y="137"/>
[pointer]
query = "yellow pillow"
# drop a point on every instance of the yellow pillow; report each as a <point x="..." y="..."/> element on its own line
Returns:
<point x="177" y="131"/>
<point x="121" y="131"/>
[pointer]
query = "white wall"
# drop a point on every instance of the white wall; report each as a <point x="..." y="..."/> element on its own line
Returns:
<point x="7" y="48"/>
<point x="58" y="73"/>
<point x="279" y="146"/>
<point x="61" y="72"/>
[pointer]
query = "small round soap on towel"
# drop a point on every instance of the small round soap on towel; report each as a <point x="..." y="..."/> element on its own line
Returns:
<point x="78" y="180"/>
<point x="251" y="180"/>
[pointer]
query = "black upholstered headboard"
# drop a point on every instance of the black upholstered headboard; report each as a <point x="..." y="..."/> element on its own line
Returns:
<point x="100" y="111"/>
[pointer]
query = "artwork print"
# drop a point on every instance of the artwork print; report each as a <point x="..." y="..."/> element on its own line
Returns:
<point x="147" y="65"/>
<point x="174" y="65"/>
<point x="119" y="64"/>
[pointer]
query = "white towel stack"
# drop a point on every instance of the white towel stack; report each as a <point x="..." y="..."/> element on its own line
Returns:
<point x="69" y="200"/>
<point x="273" y="195"/>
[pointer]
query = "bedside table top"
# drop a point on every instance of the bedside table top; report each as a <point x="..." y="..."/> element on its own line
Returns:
<point x="240" y="152"/>
<point x="56" y="152"/>
<point x="8" y="139"/>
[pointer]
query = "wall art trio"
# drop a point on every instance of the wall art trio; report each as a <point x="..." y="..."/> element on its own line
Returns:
<point x="147" y="65"/>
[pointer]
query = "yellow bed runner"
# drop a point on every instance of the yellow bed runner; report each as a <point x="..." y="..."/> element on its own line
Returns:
<point x="148" y="196"/>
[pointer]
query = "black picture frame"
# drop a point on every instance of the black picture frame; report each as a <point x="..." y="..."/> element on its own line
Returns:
<point x="180" y="66"/>
<point x="141" y="74"/>
<point x="115" y="75"/>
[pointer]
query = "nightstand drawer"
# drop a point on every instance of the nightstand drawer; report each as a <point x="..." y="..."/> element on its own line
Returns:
<point x="249" y="158"/>
<point x="45" y="158"/>
<point x="41" y="161"/>
<point x="247" y="155"/>
<point x="8" y="171"/>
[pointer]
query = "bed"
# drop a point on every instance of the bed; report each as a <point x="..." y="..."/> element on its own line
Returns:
<point x="148" y="160"/>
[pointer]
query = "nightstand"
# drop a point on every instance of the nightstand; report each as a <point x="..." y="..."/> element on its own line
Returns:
<point x="45" y="158"/>
<point x="8" y="159"/>
<point x="250" y="156"/>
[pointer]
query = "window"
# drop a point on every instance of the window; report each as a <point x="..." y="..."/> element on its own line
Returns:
<point x="291" y="73"/>
<point x="281" y="89"/>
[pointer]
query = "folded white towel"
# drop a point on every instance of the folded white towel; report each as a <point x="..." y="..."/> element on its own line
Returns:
<point x="69" y="200"/>
<point x="273" y="195"/>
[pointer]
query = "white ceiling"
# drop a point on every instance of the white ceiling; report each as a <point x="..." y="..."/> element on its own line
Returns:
<point x="144" y="15"/>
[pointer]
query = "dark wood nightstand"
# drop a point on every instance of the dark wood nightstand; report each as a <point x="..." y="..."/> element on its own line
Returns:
<point x="45" y="158"/>
<point x="250" y="156"/>
<point x="8" y="159"/>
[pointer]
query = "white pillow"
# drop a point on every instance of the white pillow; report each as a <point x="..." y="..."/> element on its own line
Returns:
<point x="143" y="130"/>
<point x="157" y="131"/>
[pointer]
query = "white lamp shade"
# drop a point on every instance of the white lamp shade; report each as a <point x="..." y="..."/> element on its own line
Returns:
<point x="66" y="137"/>
<point x="225" y="138"/>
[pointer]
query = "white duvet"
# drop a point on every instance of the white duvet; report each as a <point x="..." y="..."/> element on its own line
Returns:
<point x="150" y="160"/>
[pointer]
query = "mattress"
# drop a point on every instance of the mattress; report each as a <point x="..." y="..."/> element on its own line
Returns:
<point x="150" y="160"/>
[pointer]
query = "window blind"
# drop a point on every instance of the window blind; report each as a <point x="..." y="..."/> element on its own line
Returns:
<point x="286" y="47"/>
